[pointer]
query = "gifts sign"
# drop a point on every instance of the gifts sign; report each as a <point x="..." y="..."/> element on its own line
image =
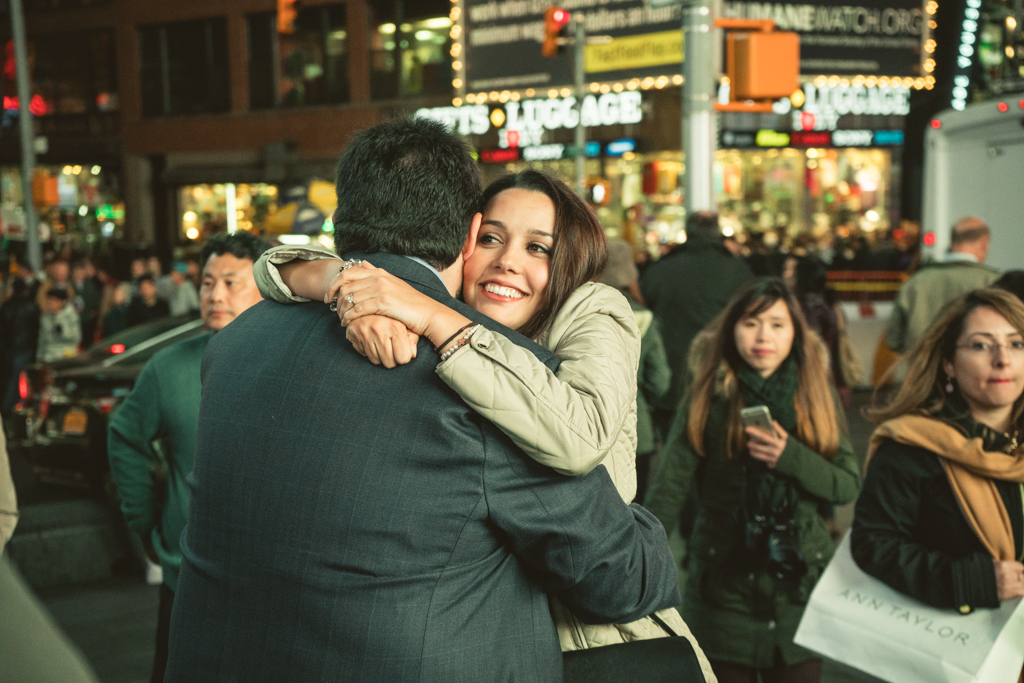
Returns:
<point x="856" y="619"/>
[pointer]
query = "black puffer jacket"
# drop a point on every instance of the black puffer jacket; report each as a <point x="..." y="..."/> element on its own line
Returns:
<point x="19" y="326"/>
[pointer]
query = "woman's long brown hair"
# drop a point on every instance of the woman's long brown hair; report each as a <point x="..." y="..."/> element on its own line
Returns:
<point x="923" y="389"/>
<point x="818" y="423"/>
<point x="580" y="250"/>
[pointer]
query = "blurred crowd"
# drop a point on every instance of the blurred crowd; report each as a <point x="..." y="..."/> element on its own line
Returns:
<point x="80" y="301"/>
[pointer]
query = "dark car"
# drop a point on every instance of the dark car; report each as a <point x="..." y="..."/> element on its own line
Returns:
<point x="62" y="418"/>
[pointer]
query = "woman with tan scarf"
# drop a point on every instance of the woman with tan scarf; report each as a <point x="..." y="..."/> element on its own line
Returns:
<point x="940" y="517"/>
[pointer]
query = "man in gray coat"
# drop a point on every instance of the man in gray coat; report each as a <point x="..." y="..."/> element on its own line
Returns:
<point x="921" y="298"/>
<point x="354" y="523"/>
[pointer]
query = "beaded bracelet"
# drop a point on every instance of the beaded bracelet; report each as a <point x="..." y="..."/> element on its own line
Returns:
<point x="450" y="339"/>
<point x="459" y="343"/>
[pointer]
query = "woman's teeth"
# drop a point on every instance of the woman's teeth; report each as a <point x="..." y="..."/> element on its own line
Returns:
<point x="506" y="292"/>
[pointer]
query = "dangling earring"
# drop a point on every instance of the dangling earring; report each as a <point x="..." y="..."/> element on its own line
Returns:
<point x="949" y="384"/>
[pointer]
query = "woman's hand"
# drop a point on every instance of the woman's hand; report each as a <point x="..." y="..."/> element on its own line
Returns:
<point x="368" y="290"/>
<point x="766" y="447"/>
<point x="385" y="341"/>
<point x="1009" y="579"/>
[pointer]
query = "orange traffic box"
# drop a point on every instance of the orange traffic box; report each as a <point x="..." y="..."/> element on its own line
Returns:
<point x="765" y="65"/>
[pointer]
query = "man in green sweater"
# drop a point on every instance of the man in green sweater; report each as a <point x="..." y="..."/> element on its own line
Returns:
<point x="164" y="407"/>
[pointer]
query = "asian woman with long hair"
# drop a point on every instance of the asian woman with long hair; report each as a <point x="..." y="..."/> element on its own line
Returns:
<point x="759" y="544"/>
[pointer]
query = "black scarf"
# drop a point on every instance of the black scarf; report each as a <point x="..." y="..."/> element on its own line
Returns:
<point x="777" y="391"/>
<point x="770" y="500"/>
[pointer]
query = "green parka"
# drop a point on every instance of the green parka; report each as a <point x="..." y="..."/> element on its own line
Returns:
<point x="654" y="376"/>
<point x="739" y="615"/>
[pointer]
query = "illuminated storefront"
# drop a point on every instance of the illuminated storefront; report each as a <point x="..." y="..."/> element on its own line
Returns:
<point x="78" y="205"/>
<point x="826" y="161"/>
<point x="260" y="208"/>
<point x="210" y="209"/>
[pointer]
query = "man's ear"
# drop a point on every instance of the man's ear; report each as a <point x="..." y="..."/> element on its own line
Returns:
<point x="474" y="231"/>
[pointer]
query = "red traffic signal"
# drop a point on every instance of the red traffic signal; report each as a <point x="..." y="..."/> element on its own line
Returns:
<point x="555" y="21"/>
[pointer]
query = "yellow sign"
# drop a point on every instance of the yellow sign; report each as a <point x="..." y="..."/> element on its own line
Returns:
<point x="635" y="52"/>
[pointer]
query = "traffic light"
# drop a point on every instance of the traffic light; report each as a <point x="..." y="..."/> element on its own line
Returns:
<point x="762" y="64"/>
<point x="286" y="16"/>
<point x="555" y="21"/>
<point x="765" y="66"/>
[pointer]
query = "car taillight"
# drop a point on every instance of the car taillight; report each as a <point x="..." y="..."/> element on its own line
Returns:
<point x="117" y="348"/>
<point x="24" y="388"/>
<point x="106" y="404"/>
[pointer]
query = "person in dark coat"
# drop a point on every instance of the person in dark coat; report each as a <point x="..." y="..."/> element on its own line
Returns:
<point x="87" y="297"/>
<point x="146" y="306"/>
<point x="686" y="289"/>
<point x="949" y="442"/>
<point x="349" y="521"/>
<point x="19" y="335"/>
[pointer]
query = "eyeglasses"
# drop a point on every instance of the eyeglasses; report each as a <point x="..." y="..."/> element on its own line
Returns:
<point x="978" y="348"/>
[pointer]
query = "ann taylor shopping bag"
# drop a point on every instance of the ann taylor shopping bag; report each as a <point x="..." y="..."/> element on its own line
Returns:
<point x="861" y="622"/>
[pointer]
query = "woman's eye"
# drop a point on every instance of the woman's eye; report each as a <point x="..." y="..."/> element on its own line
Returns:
<point x="980" y="346"/>
<point x="540" y="248"/>
<point x="1017" y="345"/>
<point x="488" y="239"/>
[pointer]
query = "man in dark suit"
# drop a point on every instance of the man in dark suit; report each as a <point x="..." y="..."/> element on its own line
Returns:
<point x="354" y="523"/>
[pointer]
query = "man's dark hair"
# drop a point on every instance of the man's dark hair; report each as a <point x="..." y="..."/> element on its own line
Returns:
<point x="703" y="225"/>
<point x="57" y="293"/>
<point x="240" y="245"/>
<point x="407" y="187"/>
<point x="145" y="277"/>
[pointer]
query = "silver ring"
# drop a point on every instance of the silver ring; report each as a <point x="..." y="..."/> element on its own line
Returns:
<point x="1020" y="577"/>
<point x="350" y="300"/>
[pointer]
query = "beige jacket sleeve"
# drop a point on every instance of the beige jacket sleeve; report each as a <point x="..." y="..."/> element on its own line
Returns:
<point x="268" y="278"/>
<point x="8" y="500"/>
<point x="575" y="419"/>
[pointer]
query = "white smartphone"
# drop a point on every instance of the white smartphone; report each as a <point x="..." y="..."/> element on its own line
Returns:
<point x="760" y="417"/>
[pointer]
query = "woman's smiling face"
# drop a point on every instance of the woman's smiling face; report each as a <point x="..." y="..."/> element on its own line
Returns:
<point x="507" y="274"/>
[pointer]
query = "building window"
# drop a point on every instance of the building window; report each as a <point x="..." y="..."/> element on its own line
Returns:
<point x="298" y="69"/>
<point x="184" y="68"/>
<point x="70" y="74"/>
<point x="410" y="49"/>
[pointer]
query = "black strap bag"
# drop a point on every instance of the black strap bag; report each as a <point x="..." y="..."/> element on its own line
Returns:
<point x="659" y="660"/>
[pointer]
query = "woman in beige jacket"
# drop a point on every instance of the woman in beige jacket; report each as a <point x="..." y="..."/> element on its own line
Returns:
<point x="529" y="268"/>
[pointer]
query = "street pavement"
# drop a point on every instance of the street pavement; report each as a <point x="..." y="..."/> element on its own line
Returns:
<point x="111" y="618"/>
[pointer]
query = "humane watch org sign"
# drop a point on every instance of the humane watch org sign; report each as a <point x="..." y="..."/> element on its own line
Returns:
<point x="872" y="37"/>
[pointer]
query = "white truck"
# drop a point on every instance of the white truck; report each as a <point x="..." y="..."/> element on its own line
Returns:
<point x="974" y="166"/>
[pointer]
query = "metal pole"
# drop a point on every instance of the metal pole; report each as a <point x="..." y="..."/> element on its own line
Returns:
<point x="28" y="151"/>
<point x="579" y="43"/>
<point x="699" y="120"/>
